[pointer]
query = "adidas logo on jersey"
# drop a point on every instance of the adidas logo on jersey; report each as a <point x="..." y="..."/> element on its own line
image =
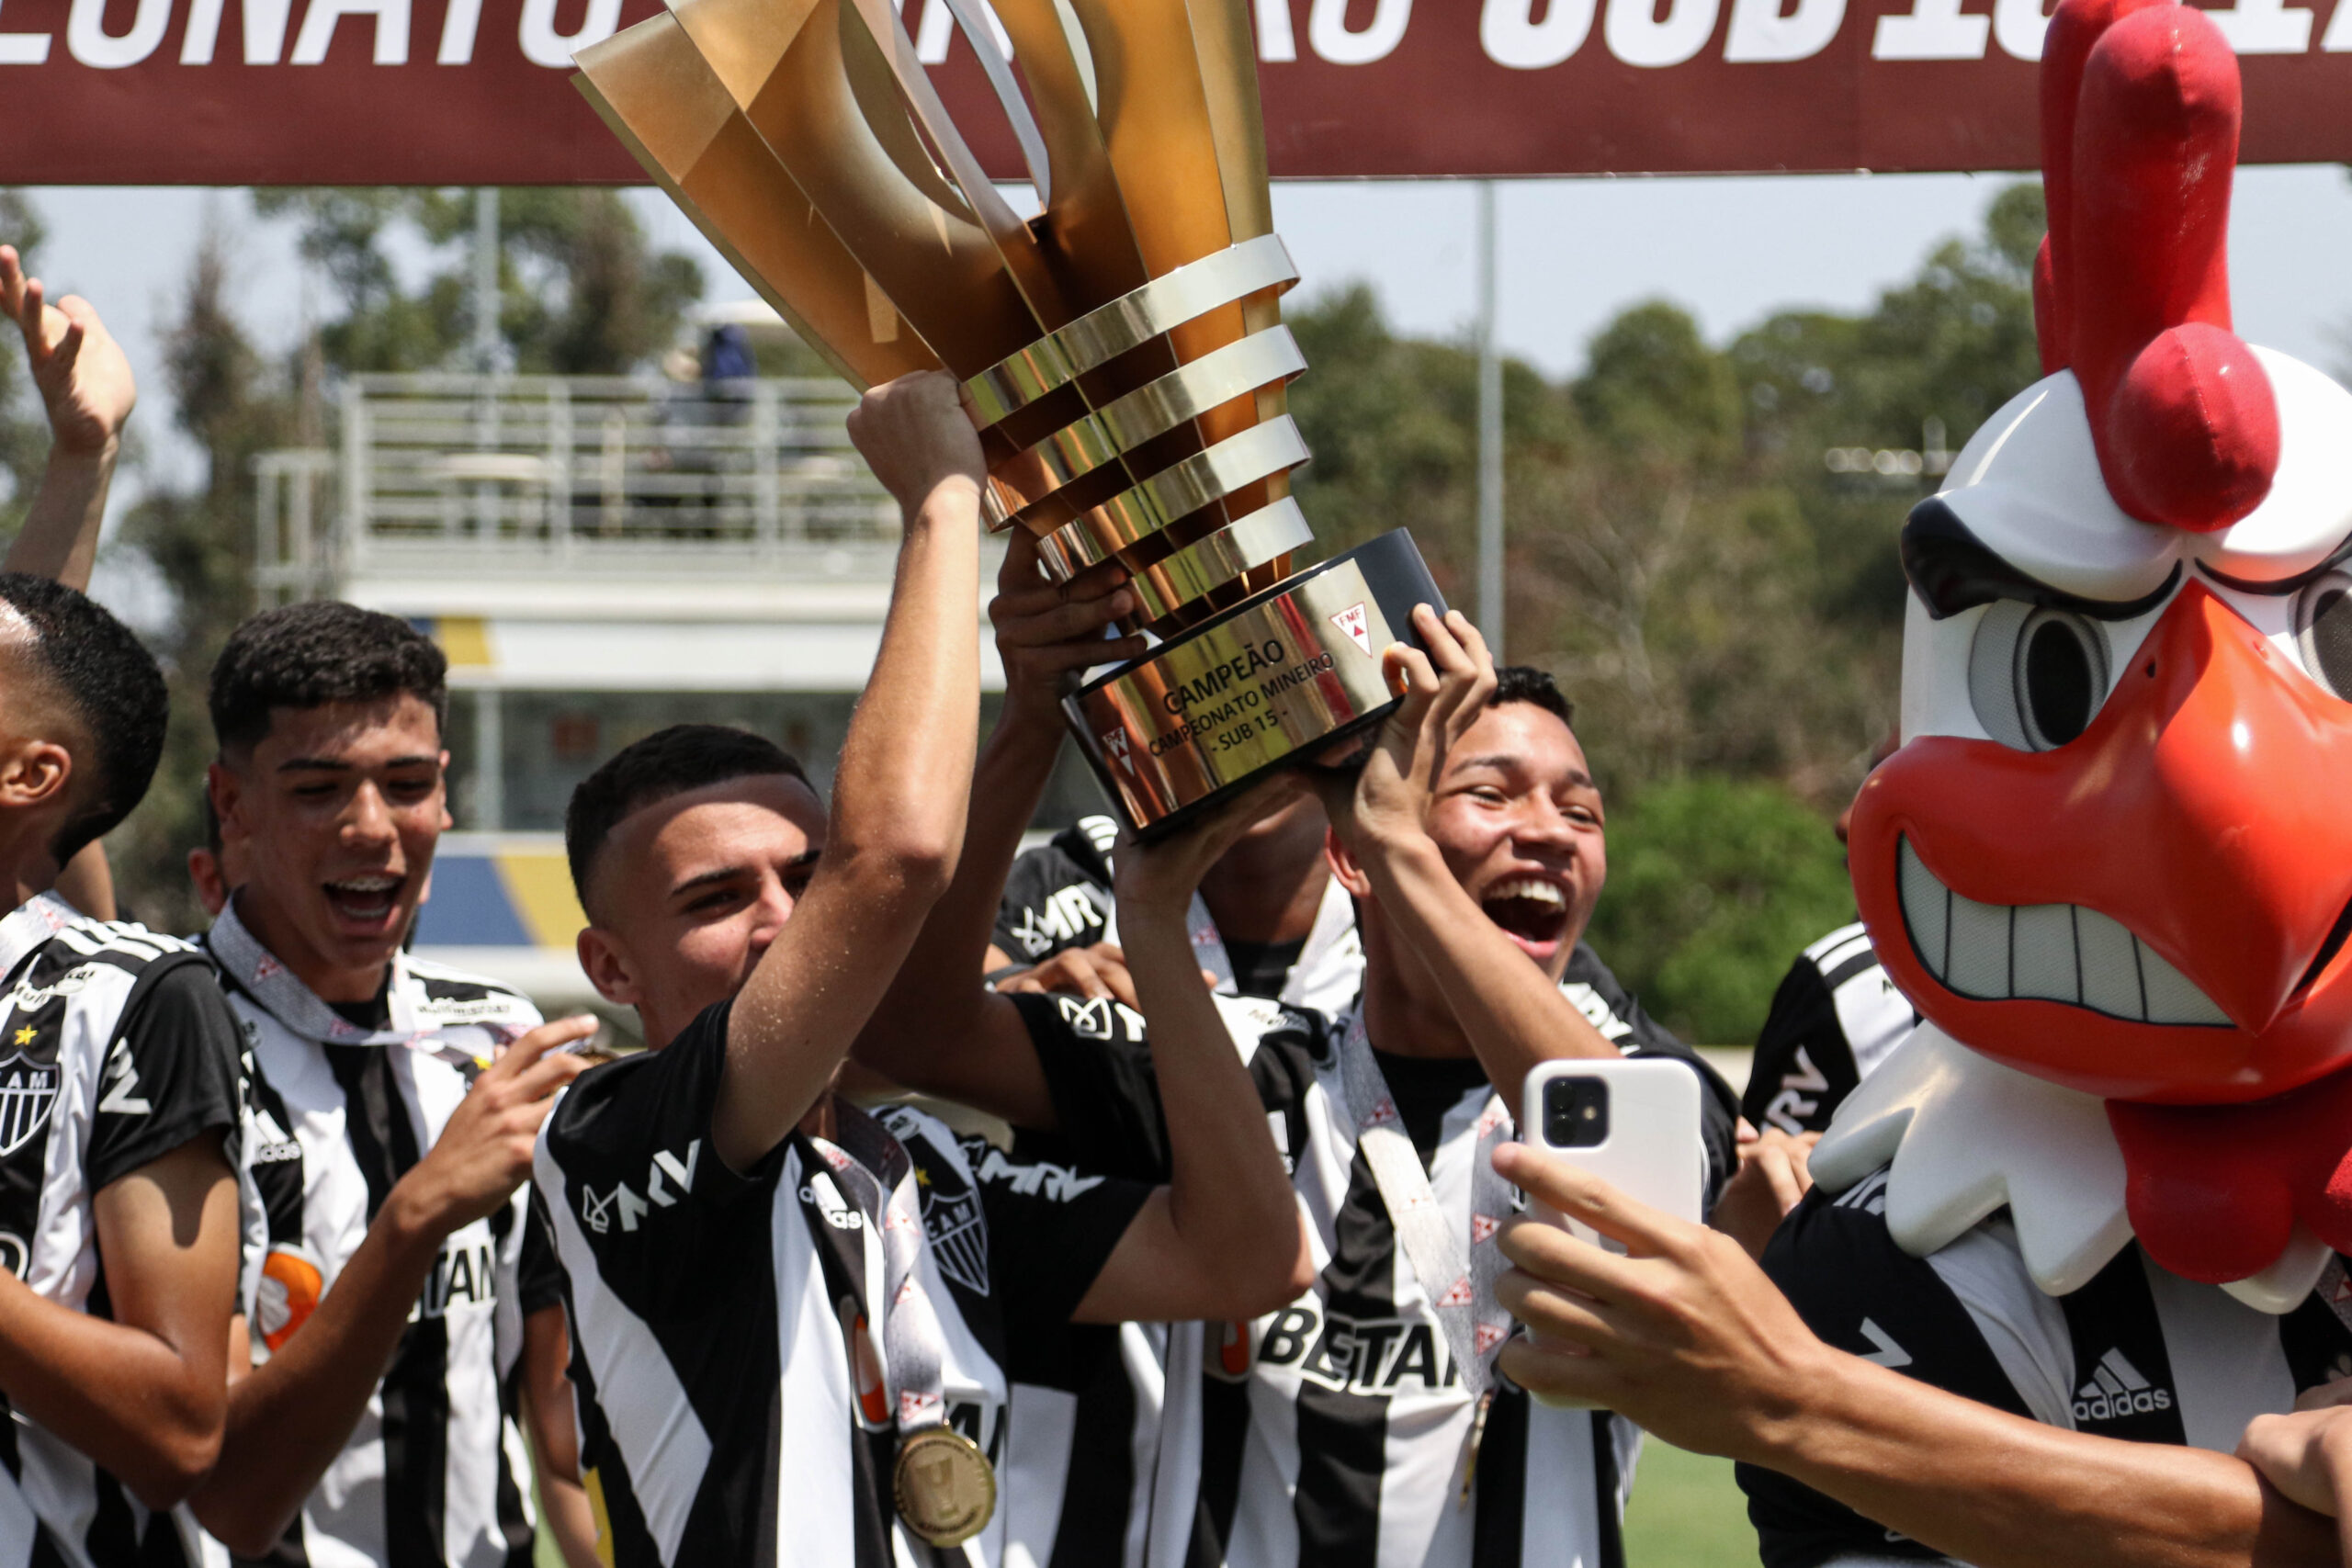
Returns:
<point x="2117" y="1390"/>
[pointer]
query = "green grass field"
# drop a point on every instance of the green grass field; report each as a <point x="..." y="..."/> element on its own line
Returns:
<point x="1686" y="1513"/>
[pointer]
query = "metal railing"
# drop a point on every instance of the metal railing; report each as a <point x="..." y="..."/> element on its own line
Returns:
<point x="468" y="473"/>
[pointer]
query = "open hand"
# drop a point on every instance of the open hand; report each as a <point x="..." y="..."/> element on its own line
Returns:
<point x="484" y="1150"/>
<point x="1046" y="633"/>
<point x="1683" y="1334"/>
<point x="1161" y="876"/>
<point x="1387" y="799"/>
<point x="84" y="382"/>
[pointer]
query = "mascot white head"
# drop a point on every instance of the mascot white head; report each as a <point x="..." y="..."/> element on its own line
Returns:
<point x="2112" y="863"/>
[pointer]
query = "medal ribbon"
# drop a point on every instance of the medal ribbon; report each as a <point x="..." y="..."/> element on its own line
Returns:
<point x="1462" y="1291"/>
<point x="293" y="1004"/>
<point x="873" y="1171"/>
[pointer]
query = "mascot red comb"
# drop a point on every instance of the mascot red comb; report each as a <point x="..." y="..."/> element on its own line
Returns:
<point x="2111" y="865"/>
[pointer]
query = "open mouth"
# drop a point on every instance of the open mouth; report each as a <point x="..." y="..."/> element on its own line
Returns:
<point x="2055" y="952"/>
<point x="365" y="900"/>
<point x="1531" y="911"/>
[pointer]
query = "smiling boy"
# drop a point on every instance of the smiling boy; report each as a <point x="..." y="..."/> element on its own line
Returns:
<point x="1340" y="1427"/>
<point x="372" y="1411"/>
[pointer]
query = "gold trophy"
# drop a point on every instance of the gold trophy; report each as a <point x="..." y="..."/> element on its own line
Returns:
<point x="1123" y="349"/>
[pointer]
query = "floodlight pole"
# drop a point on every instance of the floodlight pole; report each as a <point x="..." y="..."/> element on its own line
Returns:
<point x="1490" y="434"/>
<point x="486" y="342"/>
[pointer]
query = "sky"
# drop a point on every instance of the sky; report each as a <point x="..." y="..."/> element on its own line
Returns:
<point x="1572" y="253"/>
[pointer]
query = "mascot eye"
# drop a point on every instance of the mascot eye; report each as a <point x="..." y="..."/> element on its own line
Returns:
<point x="2036" y="677"/>
<point x="2324" y="631"/>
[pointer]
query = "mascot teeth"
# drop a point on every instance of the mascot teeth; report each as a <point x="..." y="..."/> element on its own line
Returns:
<point x="2059" y="952"/>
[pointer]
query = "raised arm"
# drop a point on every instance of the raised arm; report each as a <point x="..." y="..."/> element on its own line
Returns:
<point x="86" y="388"/>
<point x="1688" y="1338"/>
<point x="937" y="1029"/>
<point x="1225" y="1238"/>
<point x="1515" y="1017"/>
<point x="898" y="817"/>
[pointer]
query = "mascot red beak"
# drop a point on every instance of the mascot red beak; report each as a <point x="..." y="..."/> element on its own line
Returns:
<point x="2114" y="853"/>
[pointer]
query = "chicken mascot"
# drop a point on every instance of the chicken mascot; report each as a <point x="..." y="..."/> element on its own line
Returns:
<point x="2106" y="1180"/>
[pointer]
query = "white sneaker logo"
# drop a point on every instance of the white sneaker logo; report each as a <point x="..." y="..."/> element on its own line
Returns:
<point x="2117" y="1390"/>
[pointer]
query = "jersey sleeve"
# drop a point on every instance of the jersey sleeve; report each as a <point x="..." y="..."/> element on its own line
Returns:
<point x="1106" y="1097"/>
<point x="170" y="1075"/>
<point x="1860" y="1293"/>
<point x="1804" y="1068"/>
<point x="629" y="1168"/>
<point x="538" y="1275"/>
<point x="1052" y="1225"/>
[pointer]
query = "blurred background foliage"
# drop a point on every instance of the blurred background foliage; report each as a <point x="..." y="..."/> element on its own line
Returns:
<point x="1724" y="604"/>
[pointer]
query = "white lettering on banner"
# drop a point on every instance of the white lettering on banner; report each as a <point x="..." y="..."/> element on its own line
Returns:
<point x="2266" y="27"/>
<point x="1638" y="36"/>
<point x="24" y="49"/>
<point x="458" y="28"/>
<point x="1759" y="32"/>
<point x="264" y="31"/>
<point x="1333" y="40"/>
<point x="542" y="45"/>
<point x="1511" y="35"/>
<point x="2339" y="32"/>
<point x="2018" y="27"/>
<point x="1933" y="30"/>
<point x="318" y="29"/>
<point x="1276" y="44"/>
<point x="87" y="35"/>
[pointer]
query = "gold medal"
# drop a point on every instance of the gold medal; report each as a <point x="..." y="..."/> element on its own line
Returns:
<point x="944" y="1486"/>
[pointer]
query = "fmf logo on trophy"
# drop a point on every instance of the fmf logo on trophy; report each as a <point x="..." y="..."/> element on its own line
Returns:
<point x="1122" y="350"/>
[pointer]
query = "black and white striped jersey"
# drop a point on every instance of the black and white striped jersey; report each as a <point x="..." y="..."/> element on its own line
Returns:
<point x="116" y="1049"/>
<point x="2137" y="1353"/>
<point x="1834" y="1019"/>
<point x="436" y="1472"/>
<point x="1331" y="1430"/>
<point x="727" y="1415"/>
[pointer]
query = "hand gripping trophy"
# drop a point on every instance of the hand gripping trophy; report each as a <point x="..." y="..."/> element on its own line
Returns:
<point x="1121" y="350"/>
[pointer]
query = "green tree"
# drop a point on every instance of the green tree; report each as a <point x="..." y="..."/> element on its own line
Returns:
<point x="235" y="405"/>
<point x="24" y="432"/>
<point x="1714" y="884"/>
<point x="581" y="289"/>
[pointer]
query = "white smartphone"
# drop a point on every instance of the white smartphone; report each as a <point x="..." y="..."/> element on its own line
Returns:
<point x="1631" y="1121"/>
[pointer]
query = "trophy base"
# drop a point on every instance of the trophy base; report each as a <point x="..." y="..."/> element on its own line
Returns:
<point x="1276" y="678"/>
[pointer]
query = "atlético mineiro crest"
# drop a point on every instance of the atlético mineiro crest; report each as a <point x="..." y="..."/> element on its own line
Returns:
<point x="959" y="1240"/>
<point x="27" y="1090"/>
<point x="1354" y="621"/>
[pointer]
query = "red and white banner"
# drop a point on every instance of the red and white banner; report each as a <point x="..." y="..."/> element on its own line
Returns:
<point x="474" y="92"/>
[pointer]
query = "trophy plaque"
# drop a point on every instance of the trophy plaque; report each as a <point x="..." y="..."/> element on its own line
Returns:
<point x="1122" y="350"/>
